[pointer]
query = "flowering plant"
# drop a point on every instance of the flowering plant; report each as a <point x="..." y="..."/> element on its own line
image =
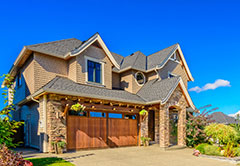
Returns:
<point x="78" y="107"/>
<point x="196" y="122"/>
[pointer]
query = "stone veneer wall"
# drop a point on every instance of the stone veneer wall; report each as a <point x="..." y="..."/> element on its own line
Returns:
<point x="56" y="126"/>
<point x="144" y="127"/>
<point x="177" y="100"/>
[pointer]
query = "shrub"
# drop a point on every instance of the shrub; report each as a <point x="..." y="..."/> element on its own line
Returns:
<point x="201" y="147"/>
<point x="8" y="127"/>
<point x="229" y="150"/>
<point x="221" y="133"/>
<point x="237" y="150"/>
<point x="196" y="123"/>
<point x="10" y="158"/>
<point x="212" y="150"/>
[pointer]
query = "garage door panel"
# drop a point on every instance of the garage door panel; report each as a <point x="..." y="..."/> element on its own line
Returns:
<point x="122" y="132"/>
<point x="86" y="132"/>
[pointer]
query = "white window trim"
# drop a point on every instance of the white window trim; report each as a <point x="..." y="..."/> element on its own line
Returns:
<point x="174" y="59"/>
<point x="171" y="74"/>
<point x="144" y="78"/>
<point x="86" y="70"/>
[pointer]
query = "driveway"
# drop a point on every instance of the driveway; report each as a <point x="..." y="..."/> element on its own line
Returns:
<point x="139" y="156"/>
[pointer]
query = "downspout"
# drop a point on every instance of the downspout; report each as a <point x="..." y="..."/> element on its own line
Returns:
<point x="45" y="124"/>
<point x="34" y="99"/>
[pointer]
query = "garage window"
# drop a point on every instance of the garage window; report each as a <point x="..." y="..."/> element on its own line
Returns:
<point x="114" y="115"/>
<point x="98" y="114"/>
<point x="72" y="112"/>
<point x="129" y="116"/>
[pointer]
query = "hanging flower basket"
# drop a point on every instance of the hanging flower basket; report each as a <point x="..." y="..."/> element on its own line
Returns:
<point x="143" y="113"/>
<point x="78" y="108"/>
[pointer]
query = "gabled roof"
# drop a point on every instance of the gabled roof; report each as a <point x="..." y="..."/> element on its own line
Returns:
<point x="161" y="90"/>
<point x="160" y="56"/>
<point x="63" y="49"/>
<point x="219" y="117"/>
<point x="139" y="61"/>
<point x="57" y="48"/>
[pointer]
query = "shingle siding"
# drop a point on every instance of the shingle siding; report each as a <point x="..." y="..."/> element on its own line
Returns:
<point x="72" y="69"/>
<point x="27" y="87"/>
<point x="99" y="54"/>
<point x="46" y="68"/>
<point x="116" y="80"/>
<point x="174" y="68"/>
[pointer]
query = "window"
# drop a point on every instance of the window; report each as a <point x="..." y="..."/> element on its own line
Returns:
<point x="19" y="80"/>
<point x="94" y="71"/>
<point x="98" y="114"/>
<point x="114" y="115"/>
<point x="129" y="116"/>
<point x="72" y="112"/>
<point x="140" y="78"/>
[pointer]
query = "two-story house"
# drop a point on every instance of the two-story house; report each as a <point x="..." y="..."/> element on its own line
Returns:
<point x="50" y="77"/>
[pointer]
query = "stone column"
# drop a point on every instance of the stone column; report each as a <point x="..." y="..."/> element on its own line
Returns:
<point x="164" y="126"/>
<point x="182" y="127"/>
<point x="144" y="127"/>
<point x="56" y="124"/>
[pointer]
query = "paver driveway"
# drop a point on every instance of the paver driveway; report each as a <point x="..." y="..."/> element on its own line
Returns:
<point x="139" y="156"/>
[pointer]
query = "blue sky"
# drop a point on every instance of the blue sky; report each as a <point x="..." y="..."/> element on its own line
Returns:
<point x="208" y="32"/>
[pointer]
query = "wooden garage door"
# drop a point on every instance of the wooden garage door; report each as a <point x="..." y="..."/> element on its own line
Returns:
<point x="93" y="132"/>
<point x="84" y="132"/>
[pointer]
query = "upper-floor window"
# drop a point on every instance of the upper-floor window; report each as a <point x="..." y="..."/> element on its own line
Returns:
<point x="140" y="78"/>
<point x="19" y="80"/>
<point x="94" y="71"/>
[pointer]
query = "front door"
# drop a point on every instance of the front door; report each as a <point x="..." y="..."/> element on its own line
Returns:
<point x="151" y="125"/>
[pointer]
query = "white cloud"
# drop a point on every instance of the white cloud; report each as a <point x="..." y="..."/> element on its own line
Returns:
<point x="235" y="115"/>
<point x="218" y="83"/>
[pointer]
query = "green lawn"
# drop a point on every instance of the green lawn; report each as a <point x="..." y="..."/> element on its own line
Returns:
<point x="49" y="161"/>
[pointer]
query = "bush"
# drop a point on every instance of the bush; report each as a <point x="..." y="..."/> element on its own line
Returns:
<point x="196" y="122"/>
<point x="201" y="147"/>
<point x="237" y="150"/>
<point x="9" y="158"/>
<point x="221" y="133"/>
<point x="212" y="150"/>
<point x="229" y="150"/>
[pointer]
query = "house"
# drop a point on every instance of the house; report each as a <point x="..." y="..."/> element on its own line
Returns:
<point x="219" y="117"/>
<point x="50" y="77"/>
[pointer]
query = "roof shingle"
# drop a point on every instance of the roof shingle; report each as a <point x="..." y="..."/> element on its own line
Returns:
<point x="155" y="89"/>
<point x="57" y="48"/>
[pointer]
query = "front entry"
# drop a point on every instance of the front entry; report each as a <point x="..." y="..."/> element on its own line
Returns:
<point x="173" y="126"/>
<point x="151" y="125"/>
<point x="100" y="130"/>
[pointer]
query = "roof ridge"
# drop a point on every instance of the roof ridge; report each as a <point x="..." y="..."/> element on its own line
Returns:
<point x="56" y="41"/>
<point x="162" y="49"/>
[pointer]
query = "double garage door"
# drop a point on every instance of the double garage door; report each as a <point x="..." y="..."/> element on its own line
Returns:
<point x="101" y="132"/>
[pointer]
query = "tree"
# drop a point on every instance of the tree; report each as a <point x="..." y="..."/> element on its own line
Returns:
<point x="8" y="127"/>
<point x="196" y="122"/>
